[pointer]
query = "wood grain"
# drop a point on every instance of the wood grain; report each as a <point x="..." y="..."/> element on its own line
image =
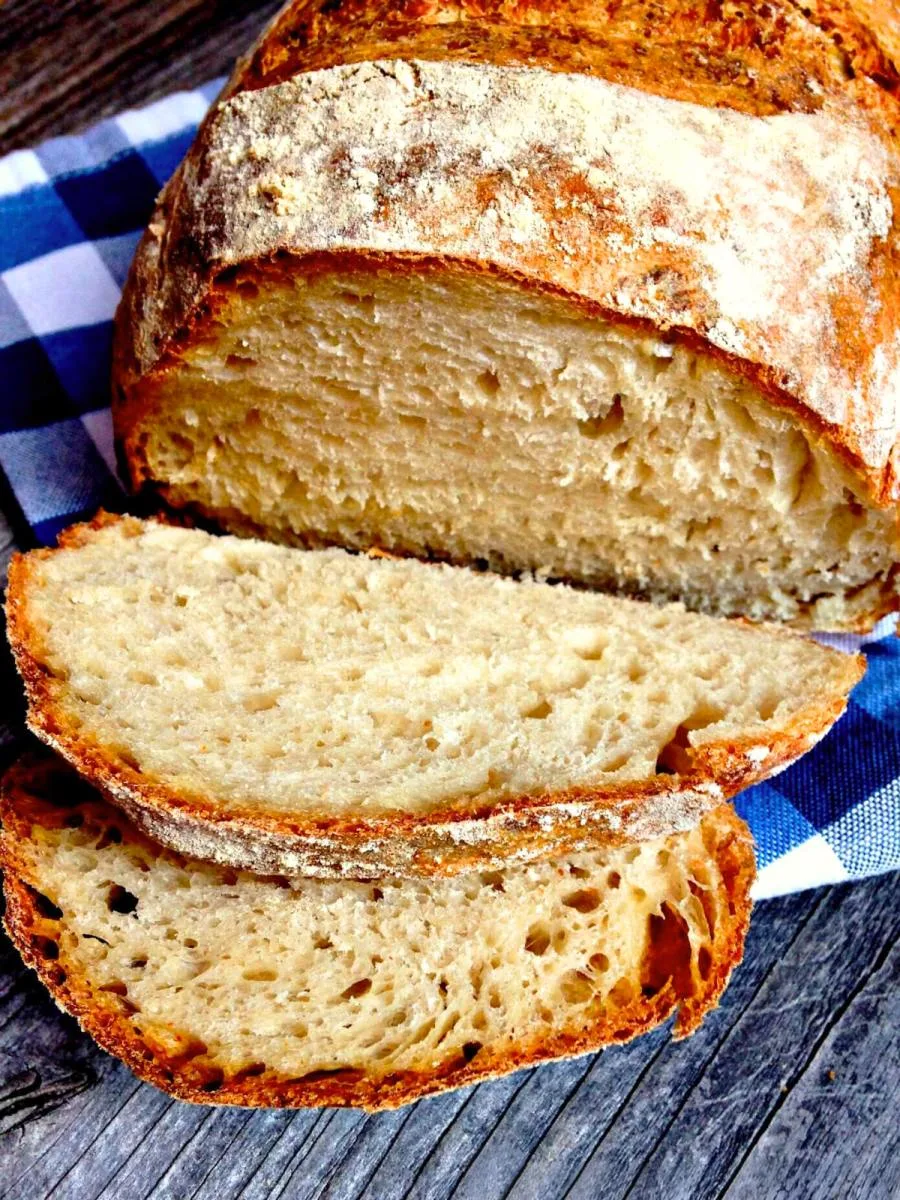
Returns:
<point x="65" y="64"/>
<point x="789" y="1090"/>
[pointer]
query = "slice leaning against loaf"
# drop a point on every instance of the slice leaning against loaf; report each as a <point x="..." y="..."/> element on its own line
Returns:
<point x="337" y="714"/>
<point x="603" y="289"/>
<point x="224" y="987"/>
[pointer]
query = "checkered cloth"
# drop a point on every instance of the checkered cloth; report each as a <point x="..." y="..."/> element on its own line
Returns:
<point x="70" y="216"/>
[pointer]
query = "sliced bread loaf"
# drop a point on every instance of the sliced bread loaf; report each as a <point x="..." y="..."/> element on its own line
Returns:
<point x="336" y="714"/>
<point x="604" y="288"/>
<point x="223" y="987"/>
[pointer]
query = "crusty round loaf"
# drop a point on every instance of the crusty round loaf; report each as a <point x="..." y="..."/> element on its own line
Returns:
<point x="663" y="302"/>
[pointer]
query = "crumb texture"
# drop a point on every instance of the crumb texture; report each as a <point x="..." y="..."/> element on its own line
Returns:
<point x="410" y="303"/>
<point x="439" y="413"/>
<point x="221" y="977"/>
<point x="286" y="682"/>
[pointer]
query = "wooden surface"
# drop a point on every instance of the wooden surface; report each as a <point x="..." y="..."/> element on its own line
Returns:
<point x="790" y="1090"/>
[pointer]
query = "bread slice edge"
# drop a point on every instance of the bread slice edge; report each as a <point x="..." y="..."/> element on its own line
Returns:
<point x="444" y="841"/>
<point x="100" y="1015"/>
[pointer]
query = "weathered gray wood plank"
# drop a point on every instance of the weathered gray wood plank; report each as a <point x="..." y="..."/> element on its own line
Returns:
<point x="848" y="1098"/>
<point x="623" y="1124"/>
<point x="394" y="1176"/>
<point x="768" y="1050"/>
<point x="128" y="53"/>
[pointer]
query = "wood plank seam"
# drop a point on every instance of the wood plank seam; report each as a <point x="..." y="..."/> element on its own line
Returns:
<point x="360" y="1191"/>
<point x="147" y="1134"/>
<point x="526" y="1075"/>
<point x="830" y="1023"/>
<point x="220" y="1156"/>
<point x="715" y="1051"/>
<point x="325" y="1115"/>
<point x="55" y="1141"/>
<point x="651" y="1062"/>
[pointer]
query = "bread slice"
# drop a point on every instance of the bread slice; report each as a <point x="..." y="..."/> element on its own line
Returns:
<point x="483" y="311"/>
<point x="228" y="988"/>
<point x="337" y="714"/>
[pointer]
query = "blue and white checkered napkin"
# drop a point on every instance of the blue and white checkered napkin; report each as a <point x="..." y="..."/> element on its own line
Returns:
<point x="70" y="215"/>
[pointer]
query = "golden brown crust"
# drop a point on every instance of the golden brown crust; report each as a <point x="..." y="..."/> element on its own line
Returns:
<point x="23" y="807"/>
<point x="462" y="837"/>
<point x="759" y="57"/>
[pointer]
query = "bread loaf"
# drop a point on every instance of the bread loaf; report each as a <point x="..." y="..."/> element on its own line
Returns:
<point x="607" y="291"/>
<point x="226" y="988"/>
<point x="336" y="714"/>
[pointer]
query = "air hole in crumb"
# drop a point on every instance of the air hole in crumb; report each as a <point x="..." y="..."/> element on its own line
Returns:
<point x="45" y="905"/>
<point x="674" y="756"/>
<point x="322" y="943"/>
<point x="377" y="893"/>
<point x="622" y="992"/>
<point x="470" y="1049"/>
<point x="120" y="900"/>
<point x="239" y="360"/>
<point x="578" y="872"/>
<point x="45" y="946"/>
<point x="117" y="987"/>
<point x="613" y="880"/>
<point x="127" y="758"/>
<point x="259" y="975"/>
<point x="599" y="963"/>
<point x="494" y="880"/>
<point x="539" y="711"/>
<point x="261" y="702"/>
<point x="604" y="423"/>
<point x="432" y="743"/>
<point x="767" y="707"/>
<point x="576" y="987"/>
<point x="668" y="953"/>
<point x="585" y="900"/>
<point x="215" y="1077"/>
<point x="537" y="940"/>
<point x="251" y="1071"/>
<point x="589" y="644"/>
<point x="704" y="962"/>
<point x="138" y="964"/>
<point x="191" y="943"/>
<point x="136" y="675"/>
<point x="489" y="382"/>
<point x="359" y="988"/>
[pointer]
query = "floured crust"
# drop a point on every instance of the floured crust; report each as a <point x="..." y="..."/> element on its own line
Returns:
<point x="102" y="1016"/>
<point x="814" y="242"/>
<point x="468" y="836"/>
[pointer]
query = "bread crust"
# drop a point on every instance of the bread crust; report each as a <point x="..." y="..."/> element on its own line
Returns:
<point x="756" y="57"/>
<point x="464" y="837"/>
<point x="102" y="1015"/>
<point x="839" y="376"/>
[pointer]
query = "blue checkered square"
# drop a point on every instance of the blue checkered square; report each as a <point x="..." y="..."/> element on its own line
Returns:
<point x="70" y="217"/>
